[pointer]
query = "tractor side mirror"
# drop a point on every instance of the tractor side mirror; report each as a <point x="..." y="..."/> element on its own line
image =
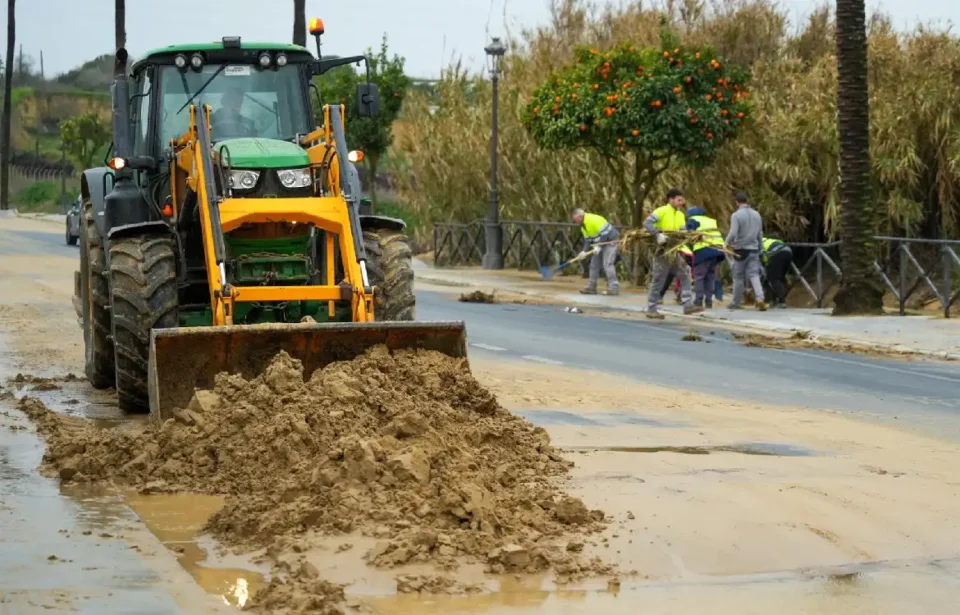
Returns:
<point x="368" y="100"/>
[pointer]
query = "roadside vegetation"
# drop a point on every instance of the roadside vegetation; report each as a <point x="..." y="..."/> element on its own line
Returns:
<point x="785" y="157"/>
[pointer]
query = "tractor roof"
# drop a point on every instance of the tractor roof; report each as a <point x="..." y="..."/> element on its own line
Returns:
<point x="164" y="55"/>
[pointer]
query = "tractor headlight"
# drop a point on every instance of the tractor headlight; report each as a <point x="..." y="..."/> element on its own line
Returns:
<point x="244" y="180"/>
<point x="294" y="178"/>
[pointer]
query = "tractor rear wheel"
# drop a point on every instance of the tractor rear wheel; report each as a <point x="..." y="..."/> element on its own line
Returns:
<point x="95" y="298"/>
<point x="390" y="270"/>
<point x="143" y="284"/>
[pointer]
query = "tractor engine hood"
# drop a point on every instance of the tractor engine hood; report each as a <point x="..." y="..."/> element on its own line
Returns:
<point x="256" y="153"/>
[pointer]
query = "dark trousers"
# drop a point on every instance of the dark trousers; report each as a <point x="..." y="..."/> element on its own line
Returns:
<point x="704" y="281"/>
<point x="778" y="264"/>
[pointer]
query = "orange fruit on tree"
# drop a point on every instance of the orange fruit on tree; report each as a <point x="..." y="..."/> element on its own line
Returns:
<point x="677" y="89"/>
<point x="724" y="112"/>
<point x="709" y="96"/>
<point x="636" y="133"/>
<point x="623" y="149"/>
<point x="583" y="127"/>
<point x="676" y="50"/>
<point x="596" y="86"/>
<point x="688" y="79"/>
<point x="740" y="115"/>
<point x="709" y="135"/>
<point x="698" y="55"/>
<point x="556" y="99"/>
<point x="619" y="140"/>
<point x="536" y="109"/>
<point x="666" y="54"/>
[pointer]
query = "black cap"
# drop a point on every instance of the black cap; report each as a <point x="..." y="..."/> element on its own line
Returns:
<point x="741" y="197"/>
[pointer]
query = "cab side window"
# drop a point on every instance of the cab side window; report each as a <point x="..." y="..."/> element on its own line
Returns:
<point x="141" y="146"/>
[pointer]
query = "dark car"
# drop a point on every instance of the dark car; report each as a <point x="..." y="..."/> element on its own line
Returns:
<point x="73" y="223"/>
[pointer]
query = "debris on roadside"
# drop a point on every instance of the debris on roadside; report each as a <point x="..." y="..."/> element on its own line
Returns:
<point x="478" y="296"/>
<point x="573" y="310"/>
<point x="692" y="336"/>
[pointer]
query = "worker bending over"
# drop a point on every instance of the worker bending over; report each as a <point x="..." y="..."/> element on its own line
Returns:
<point x="746" y="239"/>
<point x="668" y="218"/>
<point x="777" y="257"/>
<point x="603" y="238"/>
<point x="707" y="255"/>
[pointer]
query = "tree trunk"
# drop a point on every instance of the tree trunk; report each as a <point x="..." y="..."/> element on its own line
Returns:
<point x="300" y="22"/>
<point x="120" y="33"/>
<point x="373" y="163"/>
<point x="860" y="291"/>
<point x="8" y="86"/>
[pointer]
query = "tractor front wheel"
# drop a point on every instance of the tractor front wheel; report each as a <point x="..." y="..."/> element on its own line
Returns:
<point x="95" y="302"/>
<point x="390" y="270"/>
<point x="143" y="285"/>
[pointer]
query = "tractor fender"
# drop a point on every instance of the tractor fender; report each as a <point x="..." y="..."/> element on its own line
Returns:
<point x="376" y="223"/>
<point x="92" y="187"/>
<point x="139" y="228"/>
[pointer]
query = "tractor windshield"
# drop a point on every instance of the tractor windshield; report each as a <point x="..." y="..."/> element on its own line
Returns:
<point x="245" y="101"/>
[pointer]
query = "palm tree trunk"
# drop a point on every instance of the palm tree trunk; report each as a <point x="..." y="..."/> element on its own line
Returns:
<point x="860" y="291"/>
<point x="300" y="22"/>
<point x="120" y="33"/>
<point x="8" y="87"/>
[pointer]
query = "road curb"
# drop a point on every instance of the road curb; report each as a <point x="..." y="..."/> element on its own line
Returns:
<point x="748" y="327"/>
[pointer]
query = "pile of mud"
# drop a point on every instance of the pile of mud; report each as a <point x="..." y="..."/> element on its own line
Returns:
<point x="407" y="447"/>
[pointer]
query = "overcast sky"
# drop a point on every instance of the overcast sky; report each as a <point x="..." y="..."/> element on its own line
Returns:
<point x="427" y="32"/>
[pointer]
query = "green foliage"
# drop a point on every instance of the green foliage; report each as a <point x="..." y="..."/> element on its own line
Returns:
<point x="372" y="135"/>
<point x="42" y="196"/>
<point x="84" y="136"/>
<point x="785" y="157"/>
<point x="672" y="104"/>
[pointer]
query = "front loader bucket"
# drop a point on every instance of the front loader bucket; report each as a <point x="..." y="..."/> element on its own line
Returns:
<point x="188" y="358"/>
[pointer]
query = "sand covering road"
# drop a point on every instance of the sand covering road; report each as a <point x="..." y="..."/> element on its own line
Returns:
<point x="407" y="447"/>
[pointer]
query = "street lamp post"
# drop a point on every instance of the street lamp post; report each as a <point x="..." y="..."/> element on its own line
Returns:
<point x="493" y="232"/>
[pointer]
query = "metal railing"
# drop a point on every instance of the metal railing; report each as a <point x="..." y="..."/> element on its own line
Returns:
<point x="526" y="245"/>
<point x="905" y="266"/>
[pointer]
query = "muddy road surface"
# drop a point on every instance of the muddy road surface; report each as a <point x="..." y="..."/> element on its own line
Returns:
<point x="736" y="480"/>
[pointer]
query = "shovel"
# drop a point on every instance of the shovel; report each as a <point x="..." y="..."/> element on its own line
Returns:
<point x="547" y="272"/>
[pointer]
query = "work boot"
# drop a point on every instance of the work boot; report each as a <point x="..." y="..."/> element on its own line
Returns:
<point x="709" y="305"/>
<point x="761" y="306"/>
<point x="654" y="314"/>
<point x="588" y="291"/>
<point x="692" y="309"/>
<point x="782" y="306"/>
<point x="734" y="307"/>
<point x="612" y="292"/>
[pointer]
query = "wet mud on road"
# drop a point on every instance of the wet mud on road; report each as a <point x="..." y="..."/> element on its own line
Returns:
<point x="716" y="505"/>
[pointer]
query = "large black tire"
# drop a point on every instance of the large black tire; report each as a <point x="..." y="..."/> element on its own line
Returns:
<point x="95" y="297"/>
<point x="390" y="270"/>
<point x="143" y="284"/>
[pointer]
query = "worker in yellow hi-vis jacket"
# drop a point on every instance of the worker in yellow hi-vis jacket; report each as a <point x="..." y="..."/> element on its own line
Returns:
<point x="668" y="219"/>
<point x="602" y="237"/>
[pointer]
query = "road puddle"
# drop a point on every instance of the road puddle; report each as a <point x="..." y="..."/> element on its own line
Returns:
<point x="769" y="449"/>
<point x="176" y="520"/>
<point x="875" y="589"/>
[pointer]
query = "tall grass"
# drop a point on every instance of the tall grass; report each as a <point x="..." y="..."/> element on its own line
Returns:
<point x="786" y="158"/>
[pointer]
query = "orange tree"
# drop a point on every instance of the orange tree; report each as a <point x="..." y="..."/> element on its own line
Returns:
<point x="641" y="110"/>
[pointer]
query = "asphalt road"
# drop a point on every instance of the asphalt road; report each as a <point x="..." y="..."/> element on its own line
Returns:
<point x="922" y="393"/>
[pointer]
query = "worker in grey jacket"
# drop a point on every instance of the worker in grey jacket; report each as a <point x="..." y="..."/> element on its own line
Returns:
<point x="746" y="240"/>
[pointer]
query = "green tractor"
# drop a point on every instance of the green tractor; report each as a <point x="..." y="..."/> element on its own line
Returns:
<point x="228" y="225"/>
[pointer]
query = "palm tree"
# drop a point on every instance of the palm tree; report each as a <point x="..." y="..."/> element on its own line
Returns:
<point x="300" y="22"/>
<point x="120" y="32"/>
<point x="860" y="291"/>
<point x="8" y="87"/>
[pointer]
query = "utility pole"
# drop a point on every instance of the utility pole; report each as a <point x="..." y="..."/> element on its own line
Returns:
<point x="63" y="176"/>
